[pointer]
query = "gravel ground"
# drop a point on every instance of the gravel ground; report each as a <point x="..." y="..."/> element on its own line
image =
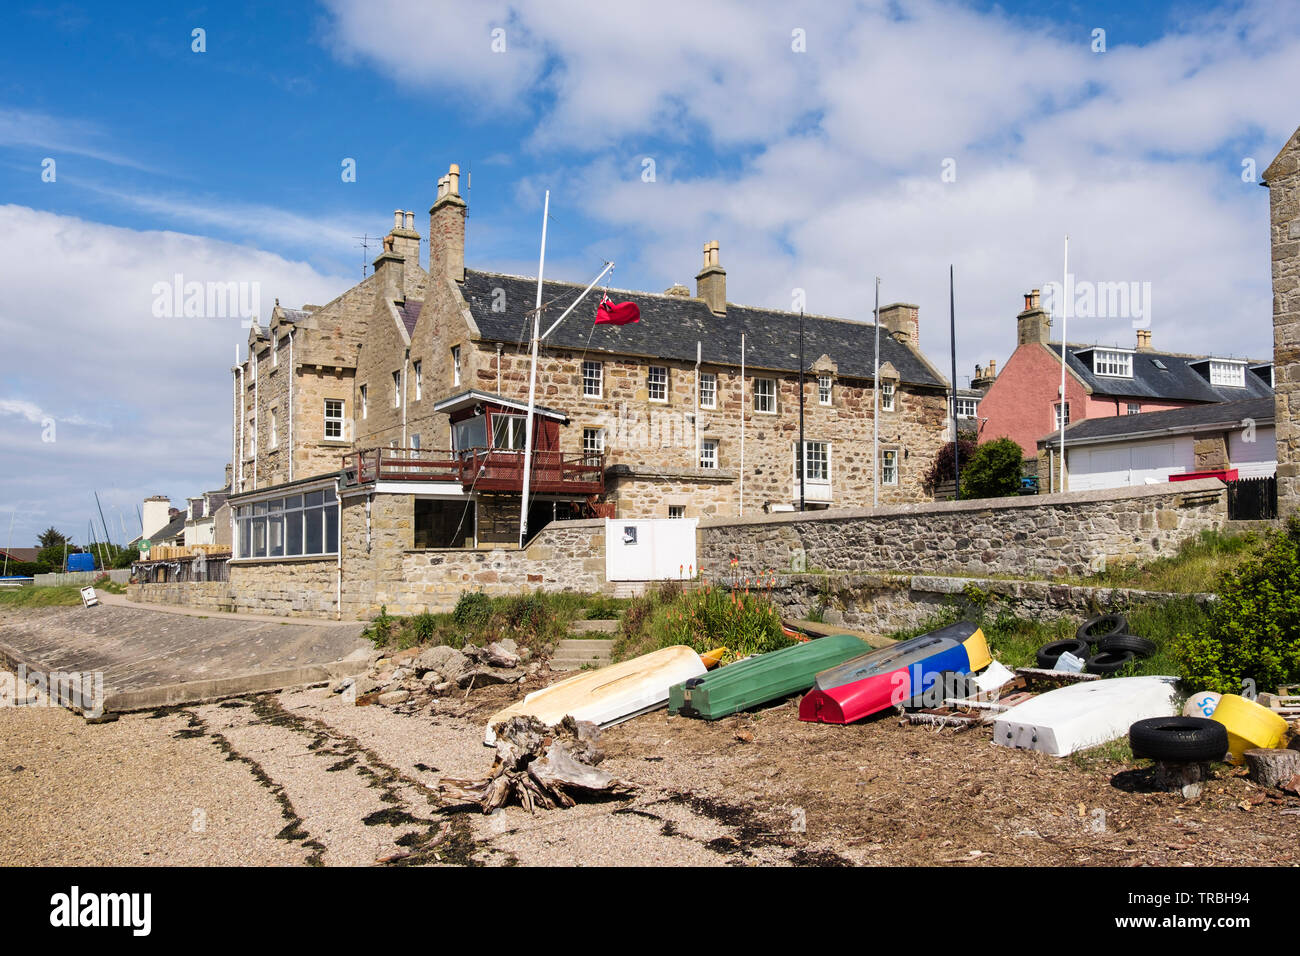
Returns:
<point x="305" y="777"/>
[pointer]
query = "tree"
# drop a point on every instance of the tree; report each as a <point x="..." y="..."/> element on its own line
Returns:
<point x="941" y="469"/>
<point x="993" y="471"/>
<point x="52" y="536"/>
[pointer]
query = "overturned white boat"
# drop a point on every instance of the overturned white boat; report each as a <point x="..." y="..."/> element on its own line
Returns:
<point x="1084" y="715"/>
<point x="610" y="695"/>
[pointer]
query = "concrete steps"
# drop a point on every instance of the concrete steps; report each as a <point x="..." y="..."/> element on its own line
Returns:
<point x="574" y="653"/>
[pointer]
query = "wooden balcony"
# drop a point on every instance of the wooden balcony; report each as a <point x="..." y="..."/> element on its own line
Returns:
<point x="480" y="469"/>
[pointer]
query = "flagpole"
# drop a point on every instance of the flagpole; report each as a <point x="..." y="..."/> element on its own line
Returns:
<point x="875" y="418"/>
<point x="956" y="437"/>
<point x="803" y="465"/>
<point x="1065" y="321"/>
<point x="742" y="423"/>
<point x="532" y="382"/>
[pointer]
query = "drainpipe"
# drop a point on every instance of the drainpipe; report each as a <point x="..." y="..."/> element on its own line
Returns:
<point x="742" y="423"/>
<point x="338" y="579"/>
<point x="498" y="368"/>
<point x="406" y="361"/>
<point x="291" y="403"/>
<point x="243" y="413"/>
<point x="698" y="355"/>
<point x="234" y="429"/>
<point x="257" y="418"/>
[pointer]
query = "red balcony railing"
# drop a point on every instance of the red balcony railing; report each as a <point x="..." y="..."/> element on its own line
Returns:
<point x="483" y="469"/>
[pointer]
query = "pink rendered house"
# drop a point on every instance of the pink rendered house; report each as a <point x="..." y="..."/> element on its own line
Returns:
<point x="1023" y="402"/>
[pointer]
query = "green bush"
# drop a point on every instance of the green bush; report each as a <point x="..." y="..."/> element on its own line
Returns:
<point x="993" y="471"/>
<point x="380" y="630"/>
<point x="1252" y="632"/>
<point x="472" y="611"/>
<point x="424" y="626"/>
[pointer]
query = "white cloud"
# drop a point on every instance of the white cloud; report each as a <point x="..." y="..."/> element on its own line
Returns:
<point x="141" y="405"/>
<point x="1134" y="152"/>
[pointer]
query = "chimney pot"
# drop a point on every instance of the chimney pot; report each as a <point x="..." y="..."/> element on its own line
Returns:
<point x="397" y="219"/>
<point x="453" y="179"/>
<point x="410" y="220"/>
<point x="711" y="282"/>
<point x="993" y="368"/>
<point x="1144" y="338"/>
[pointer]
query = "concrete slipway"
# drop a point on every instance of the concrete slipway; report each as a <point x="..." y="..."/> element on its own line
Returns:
<point x="156" y="657"/>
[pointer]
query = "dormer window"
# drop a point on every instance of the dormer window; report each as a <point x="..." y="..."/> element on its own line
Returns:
<point x="1113" y="363"/>
<point x="1232" y="374"/>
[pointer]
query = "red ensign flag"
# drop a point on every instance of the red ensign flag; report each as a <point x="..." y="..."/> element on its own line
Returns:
<point x="617" y="313"/>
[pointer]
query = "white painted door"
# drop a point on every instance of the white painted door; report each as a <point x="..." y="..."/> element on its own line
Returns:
<point x="1253" y="459"/>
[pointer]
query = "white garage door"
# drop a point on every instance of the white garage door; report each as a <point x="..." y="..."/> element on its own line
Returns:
<point x="1253" y="459"/>
<point x="1094" y="467"/>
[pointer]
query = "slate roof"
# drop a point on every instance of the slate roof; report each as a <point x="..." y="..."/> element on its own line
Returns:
<point x="295" y="315"/>
<point x="1178" y="381"/>
<point x="409" y="311"/>
<point x="21" y="554"/>
<point x="671" y="325"/>
<point x="1194" y="417"/>
<point x="173" y="528"/>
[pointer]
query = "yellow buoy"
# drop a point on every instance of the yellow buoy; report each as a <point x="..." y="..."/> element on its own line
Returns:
<point x="1249" y="725"/>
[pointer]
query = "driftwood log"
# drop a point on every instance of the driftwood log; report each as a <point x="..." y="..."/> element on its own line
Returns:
<point x="538" y="765"/>
<point x="1273" y="768"/>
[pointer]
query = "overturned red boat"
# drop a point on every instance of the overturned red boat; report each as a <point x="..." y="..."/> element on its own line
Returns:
<point x="891" y="675"/>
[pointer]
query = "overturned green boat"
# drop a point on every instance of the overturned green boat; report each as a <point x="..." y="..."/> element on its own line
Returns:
<point x="757" y="680"/>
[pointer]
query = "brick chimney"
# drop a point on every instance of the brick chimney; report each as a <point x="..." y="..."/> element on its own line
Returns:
<point x="711" y="282"/>
<point x="390" y="267"/>
<point x="984" y="376"/>
<point x="447" y="229"/>
<point x="1144" y="338"/>
<point x="1033" y="323"/>
<point x="903" y="321"/>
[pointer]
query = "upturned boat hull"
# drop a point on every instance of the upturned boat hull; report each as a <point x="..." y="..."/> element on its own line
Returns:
<point x="757" y="680"/>
<point x="891" y="675"/>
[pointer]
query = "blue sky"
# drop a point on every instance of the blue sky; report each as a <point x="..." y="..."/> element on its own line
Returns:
<point x="816" y="169"/>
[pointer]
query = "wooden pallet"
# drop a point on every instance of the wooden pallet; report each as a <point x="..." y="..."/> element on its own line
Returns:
<point x="1039" y="675"/>
<point x="1287" y="705"/>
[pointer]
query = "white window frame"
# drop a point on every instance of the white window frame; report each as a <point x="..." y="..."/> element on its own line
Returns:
<point x="397" y="389"/>
<point x="419" y="379"/>
<point x="365" y="403"/>
<point x="655" y="380"/>
<point x="275" y="438"/>
<point x="887" y="396"/>
<point x="709" y="453"/>
<point x="709" y="394"/>
<point x="593" y="379"/>
<point x="810" y="445"/>
<point x="1134" y="408"/>
<point x="455" y="366"/>
<point x="967" y="407"/>
<point x="679" y="509"/>
<point x="889" y="467"/>
<point x="1229" y="374"/>
<point x="334" y="419"/>
<point x="1056" y="415"/>
<point x="824" y="386"/>
<point x="593" y="440"/>
<point x="765" y="399"/>
<point x="275" y="356"/>
<point x="1112" y="363"/>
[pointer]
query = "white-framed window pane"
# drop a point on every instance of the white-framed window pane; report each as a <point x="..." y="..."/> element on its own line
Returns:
<point x="333" y="418"/>
<point x="709" y="453"/>
<point x="1106" y="362"/>
<point x="966" y="407"/>
<point x="1227" y="373"/>
<point x="419" y="380"/>
<point x="592" y="375"/>
<point x="765" y="395"/>
<point x="1056" y="412"/>
<point x="657" y="383"/>
<point x="455" y="365"/>
<point x="888" y="466"/>
<point x="275" y="438"/>
<point x="365" y="404"/>
<point x="817" y="461"/>
<point x="397" y="389"/>
<point x="593" y="441"/>
<point x="1134" y="408"/>
<point x="508" y="432"/>
<point x="887" y="396"/>
<point x="677" y="511"/>
<point x="708" y="390"/>
<point x="823" y="389"/>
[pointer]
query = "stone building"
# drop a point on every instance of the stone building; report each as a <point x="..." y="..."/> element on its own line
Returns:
<point x="1282" y="177"/>
<point x="377" y="432"/>
<point x="396" y="370"/>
